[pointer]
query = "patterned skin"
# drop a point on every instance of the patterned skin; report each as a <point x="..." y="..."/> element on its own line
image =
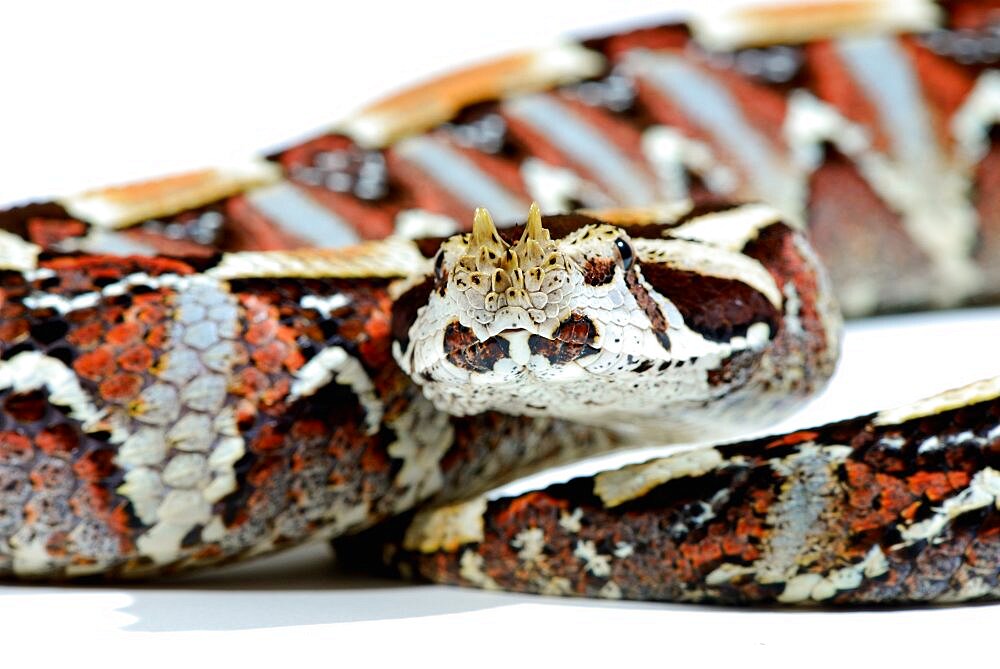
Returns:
<point x="226" y="397"/>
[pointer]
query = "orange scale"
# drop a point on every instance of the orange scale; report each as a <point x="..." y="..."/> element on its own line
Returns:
<point x="15" y="447"/>
<point x="261" y="332"/>
<point x="793" y="439"/>
<point x="374" y="460"/>
<point x="264" y="470"/>
<point x="893" y="494"/>
<point x="733" y="545"/>
<point x="267" y="440"/>
<point x="96" y="465"/>
<point x="268" y="358"/>
<point x="12" y="331"/>
<point x="351" y="330"/>
<point x="761" y="501"/>
<point x="208" y="552"/>
<point x="137" y="358"/>
<point x="932" y="484"/>
<point x="157" y="336"/>
<point x="858" y="473"/>
<point x="60" y="439"/>
<point x="308" y="429"/>
<point x="294" y="360"/>
<point x="958" y="479"/>
<point x="375" y="352"/>
<point x="124" y="333"/>
<point x="275" y="394"/>
<point x="910" y="512"/>
<point x="89" y="500"/>
<point x="95" y="365"/>
<point x="151" y="303"/>
<point x="86" y="336"/>
<point x="531" y="503"/>
<point x="866" y="522"/>
<point x="28" y="408"/>
<point x="121" y="387"/>
<point x="119" y="521"/>
<point x="249" y="382"/>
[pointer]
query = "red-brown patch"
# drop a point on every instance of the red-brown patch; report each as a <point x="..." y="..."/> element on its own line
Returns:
<point x="121" y="388"/>
<point x="49" y="233"/>
<point x="27" y="407"/>
<point x="466" y="351"/>
<point x="573" y="339"/>
<point x="95" y="365"/>
<point x="59" y="439"/>
<point x="15" y="448"/>
<point x="138" y="358"/>
<point x="598" y="271"/>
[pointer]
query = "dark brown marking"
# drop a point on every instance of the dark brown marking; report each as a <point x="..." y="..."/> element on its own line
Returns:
<point x="404" y="310"/>
<point x="718" y="309"/>
<point x="466" y="351"/>
<point x="598" y="271"/>
<point x="651" y="309"/>
<point x="573" y="339"/>
<point x="17" y="219"/>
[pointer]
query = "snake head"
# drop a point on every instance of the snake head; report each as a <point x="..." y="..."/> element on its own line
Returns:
<point x="706" y="320"/>
<point x="513" y="317"/>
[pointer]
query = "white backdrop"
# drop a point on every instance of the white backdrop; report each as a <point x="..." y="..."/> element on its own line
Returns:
<point x="92" y="93"/>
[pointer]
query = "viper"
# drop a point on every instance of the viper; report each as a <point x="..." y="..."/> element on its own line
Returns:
<point x="641" y="238"/>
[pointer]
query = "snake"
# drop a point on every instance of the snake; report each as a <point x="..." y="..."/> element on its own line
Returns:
<point x="645" y="237"/>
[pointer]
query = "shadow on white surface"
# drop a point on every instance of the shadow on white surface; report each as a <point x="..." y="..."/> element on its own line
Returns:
<point x="297" y="588"/>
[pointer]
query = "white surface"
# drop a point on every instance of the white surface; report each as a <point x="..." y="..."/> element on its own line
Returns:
<point x="94" y="94"/>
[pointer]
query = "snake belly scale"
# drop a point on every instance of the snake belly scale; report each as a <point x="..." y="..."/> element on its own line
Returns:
<point x="645" y="237"/>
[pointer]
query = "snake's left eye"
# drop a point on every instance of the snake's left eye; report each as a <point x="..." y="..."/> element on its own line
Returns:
<point x="626" y="252"/>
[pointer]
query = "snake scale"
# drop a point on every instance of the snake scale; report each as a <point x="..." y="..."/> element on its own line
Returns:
<point x="337" y="341"/>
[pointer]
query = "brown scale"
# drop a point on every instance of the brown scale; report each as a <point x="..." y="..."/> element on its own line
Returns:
<point x="622" y="134"/>
<point x="58" y="484"/>
<point x="113" y="348"/>
<point x="428" y="194"/>
<point x="876" y="490"/>
<point x="370" y="205"/>
<point x="498" y="154"/>
<point x="42" y="223"/>
<point x="313" y="453"/>
<point x="775" y="248"/>
<point x="573" y="339"/>
<point x="655" y="38"/>
<point x="860" y="239"/>
<point x="196" y="232"/>
<point x="305" y="455"/>
<point x="645" y="110"/>
<point x="465" y="351"/>
<point x="987" y="201"/>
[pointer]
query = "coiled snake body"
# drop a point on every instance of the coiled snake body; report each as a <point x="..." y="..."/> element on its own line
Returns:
<point x="180" y="387"/>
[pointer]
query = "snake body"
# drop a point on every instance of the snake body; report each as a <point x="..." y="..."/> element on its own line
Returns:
<point x="187" y="377"/>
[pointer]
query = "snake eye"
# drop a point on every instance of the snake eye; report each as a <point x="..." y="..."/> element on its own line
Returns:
<point x="439" y="265"/>
<point x="626" y="252"/>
